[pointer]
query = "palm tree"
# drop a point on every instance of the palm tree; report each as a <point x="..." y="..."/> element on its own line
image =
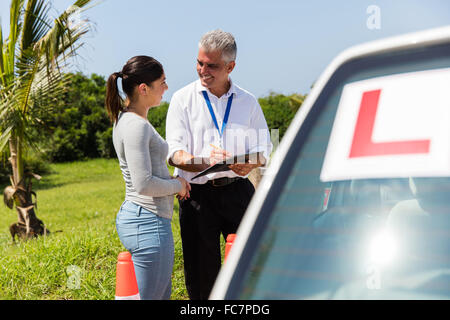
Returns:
<point x="32" y="59"/>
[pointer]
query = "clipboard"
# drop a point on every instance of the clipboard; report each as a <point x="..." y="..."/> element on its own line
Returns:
<point x="223" y="166"/>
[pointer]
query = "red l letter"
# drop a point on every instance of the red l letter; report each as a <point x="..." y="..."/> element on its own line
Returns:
<point x="362" y="145"/>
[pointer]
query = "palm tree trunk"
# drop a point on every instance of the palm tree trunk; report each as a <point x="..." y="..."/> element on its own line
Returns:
<point x="28" y="224"/>
<point x="13" y="159"/>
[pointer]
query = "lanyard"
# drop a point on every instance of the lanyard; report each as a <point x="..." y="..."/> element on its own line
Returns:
<point x="211" y="111"/>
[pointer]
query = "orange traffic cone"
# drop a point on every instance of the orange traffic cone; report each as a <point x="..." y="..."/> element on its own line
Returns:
<point x="229" y="244"/>
<point x="126" y="285"/>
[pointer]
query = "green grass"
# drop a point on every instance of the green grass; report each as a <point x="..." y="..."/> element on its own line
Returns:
<point x="81" y="199"/>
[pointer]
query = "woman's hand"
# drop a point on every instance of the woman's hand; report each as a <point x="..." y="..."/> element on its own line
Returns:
<point x="185" y="188"/>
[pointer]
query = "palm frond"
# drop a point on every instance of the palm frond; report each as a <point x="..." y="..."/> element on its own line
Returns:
<point x="10" y="118"/>
<point x="28" y="99"/>
<point x="15" y="26"/>
<point x="4" y="138"/>
<point x="38" y="80"/>
<point x="62" y="37"/>
<point x="2" y="68"/>
<point x="35" y="22"/>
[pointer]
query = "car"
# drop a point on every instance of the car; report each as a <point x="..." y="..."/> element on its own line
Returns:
<point x="355" y="203"/>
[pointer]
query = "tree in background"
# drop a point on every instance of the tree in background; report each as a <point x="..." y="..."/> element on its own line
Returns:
<point x="279" y="110"/>
<point x="31" y="60"/>
<point x="79" y="128"/>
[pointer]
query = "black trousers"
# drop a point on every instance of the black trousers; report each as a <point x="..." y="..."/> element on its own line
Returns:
<point x="209" y="212"/>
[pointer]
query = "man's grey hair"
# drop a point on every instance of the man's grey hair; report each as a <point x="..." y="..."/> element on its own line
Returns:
<point x="219" y="40"/>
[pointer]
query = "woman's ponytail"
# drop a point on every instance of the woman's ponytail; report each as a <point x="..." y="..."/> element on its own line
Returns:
<point x="113" y="100"/>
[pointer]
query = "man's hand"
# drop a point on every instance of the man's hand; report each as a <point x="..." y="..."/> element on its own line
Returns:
<point x="243" y="169"/>
<point x="218" y="155"/>
<point x="187" y="162"/>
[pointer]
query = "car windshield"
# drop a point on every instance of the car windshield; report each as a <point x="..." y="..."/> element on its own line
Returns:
<point x="357" y="238"/>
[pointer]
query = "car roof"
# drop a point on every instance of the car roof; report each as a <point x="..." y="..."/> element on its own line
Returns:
<point x="386" y="45"/>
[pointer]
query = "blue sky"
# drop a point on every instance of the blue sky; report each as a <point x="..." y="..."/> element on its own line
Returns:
<point x="283" y="45"/>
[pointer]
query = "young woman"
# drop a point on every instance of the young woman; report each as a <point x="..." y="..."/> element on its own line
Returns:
<point x="143" y="221"/>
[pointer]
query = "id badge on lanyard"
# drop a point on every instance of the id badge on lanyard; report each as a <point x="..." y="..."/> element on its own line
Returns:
<point x="213" y="116"/>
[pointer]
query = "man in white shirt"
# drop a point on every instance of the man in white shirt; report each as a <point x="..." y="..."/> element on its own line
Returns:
<point x="208" y="121"/>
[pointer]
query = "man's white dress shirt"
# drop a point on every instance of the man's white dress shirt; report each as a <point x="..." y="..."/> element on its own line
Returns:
<point x="190" y="127"/>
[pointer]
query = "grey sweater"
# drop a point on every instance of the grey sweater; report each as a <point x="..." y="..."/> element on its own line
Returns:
<point x="142" y="156"/>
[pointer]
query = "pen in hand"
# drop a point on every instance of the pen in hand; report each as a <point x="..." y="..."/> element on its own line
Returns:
<point x="218" y="155"/>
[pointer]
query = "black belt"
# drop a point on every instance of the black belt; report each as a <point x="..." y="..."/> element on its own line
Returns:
<point x="220" y="182"/>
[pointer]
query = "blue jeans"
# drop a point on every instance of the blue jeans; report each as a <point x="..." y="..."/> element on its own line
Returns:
<point x="148" y="238"/>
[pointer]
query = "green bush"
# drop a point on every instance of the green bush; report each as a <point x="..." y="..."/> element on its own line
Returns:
<point x="279" y="110"/>
<point x="78" y="121"/>
<point x="105" y="144"/>
<point x="157" y="117"/>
